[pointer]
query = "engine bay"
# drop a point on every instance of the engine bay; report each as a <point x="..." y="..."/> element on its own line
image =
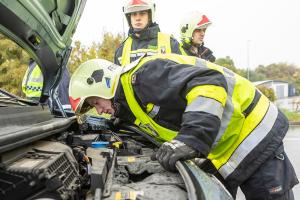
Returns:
<point x="88" y="161"/>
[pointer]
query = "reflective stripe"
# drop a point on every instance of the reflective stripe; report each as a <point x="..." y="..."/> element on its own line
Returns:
<point x="125" y="59"/>
<point x="201" y="63"/>
<point x="154" y="111"/>
<point x="207" y="105"/>
<point x="37" y="79"/>
<point x="66" y="106"/>
<point x="254" y="138"/>
<point x="228" y="111"/>
<point x="132" y="65"/>
<point x="28" y="73"/>
<point x="32" y="83"/>
<point x="138" y="54"/>
<point x="33" y="88"/>
<point x="163" y="46"/>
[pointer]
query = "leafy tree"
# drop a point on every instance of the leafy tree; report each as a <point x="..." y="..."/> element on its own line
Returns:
<point x="229" y="63"/>
<point x="14" y="60"/>
<point x="226" y="62"/>
<point x="268" y="92"/>
<point x="275" y="71"/>
<point x="13" y="64"/>
<point x="105" y="50"/>
<point x="281" y="71"/>
<point x="256" y="76"/>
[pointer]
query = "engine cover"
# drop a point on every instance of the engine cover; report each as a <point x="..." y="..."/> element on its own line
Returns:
<point x="46" y="170"/>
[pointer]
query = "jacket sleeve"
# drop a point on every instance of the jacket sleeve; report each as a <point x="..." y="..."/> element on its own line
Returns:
<point x="197" y="91"/>
<point x="175" y="46"/>
<point x="206" y="97"/>
<point x="118" y="54"/>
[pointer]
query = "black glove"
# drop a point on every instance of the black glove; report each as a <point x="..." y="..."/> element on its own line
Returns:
<point x="172" y="151"/>
<point x="114" y="124"/>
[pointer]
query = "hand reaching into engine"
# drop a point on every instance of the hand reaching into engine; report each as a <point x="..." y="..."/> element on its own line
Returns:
<point x="170" y="152"/>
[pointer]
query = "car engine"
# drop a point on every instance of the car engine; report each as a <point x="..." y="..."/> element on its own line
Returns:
<point x="88" y="161"/>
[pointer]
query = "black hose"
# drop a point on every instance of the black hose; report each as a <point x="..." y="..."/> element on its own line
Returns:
<point x="137" y="130"/>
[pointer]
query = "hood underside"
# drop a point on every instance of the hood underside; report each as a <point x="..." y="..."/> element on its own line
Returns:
<point x="44" y="28"/>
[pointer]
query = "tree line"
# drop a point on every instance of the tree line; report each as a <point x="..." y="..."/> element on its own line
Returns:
<point x="14" y="62"/>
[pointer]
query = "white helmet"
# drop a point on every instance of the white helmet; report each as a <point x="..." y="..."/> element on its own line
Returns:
<point x="95" y="77"/>
<point x="138" y="5"/>
<point x="195" y="20"/>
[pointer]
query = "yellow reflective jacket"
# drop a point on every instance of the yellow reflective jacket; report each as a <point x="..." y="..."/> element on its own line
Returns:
<point x="150" y="41"/>
<point x="206" y="106"/>
<point x="32" y="83"/>
<point x="163" y="46"/>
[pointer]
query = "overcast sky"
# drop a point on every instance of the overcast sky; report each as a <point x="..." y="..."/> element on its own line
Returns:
<point x="269" y="29"/>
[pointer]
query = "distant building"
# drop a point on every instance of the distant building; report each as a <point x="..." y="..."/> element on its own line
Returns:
<point x="282" y="89"/>
<point x="286" y="96"/>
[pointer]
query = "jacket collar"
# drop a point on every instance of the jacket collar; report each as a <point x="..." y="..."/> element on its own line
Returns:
<point x="148" y="33"/>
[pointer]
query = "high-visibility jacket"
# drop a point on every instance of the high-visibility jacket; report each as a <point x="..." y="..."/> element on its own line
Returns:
<point x="206" y="106"/>
<point x="151" y="41"/>
<point x="32" y="83"/>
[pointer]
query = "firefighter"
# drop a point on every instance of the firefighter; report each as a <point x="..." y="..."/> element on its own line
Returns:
<point x="32" y="83"/>
<point x="192" y="31"/>
<point x="144" y="34"/>
<point x="195" y="109"/>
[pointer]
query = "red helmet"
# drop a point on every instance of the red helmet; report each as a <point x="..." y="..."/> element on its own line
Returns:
<point x="195" y="20"/>
<point x="138" y="5"/>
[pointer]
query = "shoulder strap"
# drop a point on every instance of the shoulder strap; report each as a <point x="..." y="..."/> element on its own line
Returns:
<point x="126" y="52"/>
<point x="183" y="52"/>
<point x="163" y="43"/>
<point x="142" y="119"/>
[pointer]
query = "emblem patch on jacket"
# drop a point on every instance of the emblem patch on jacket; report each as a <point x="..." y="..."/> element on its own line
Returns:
<point x="133" y="79"/>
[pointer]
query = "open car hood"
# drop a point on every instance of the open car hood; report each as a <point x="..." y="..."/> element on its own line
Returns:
<point x="44" y="28"/>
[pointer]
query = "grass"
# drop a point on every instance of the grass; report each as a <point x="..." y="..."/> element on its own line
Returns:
<point x="292" y="116"/>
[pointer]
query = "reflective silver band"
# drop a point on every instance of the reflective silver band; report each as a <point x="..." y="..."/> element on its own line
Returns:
<point x="149" y="53"/>
<point x="228" y="110"/>
<point x="200" y="63"/>
<point x="254" y="138"/>
<point x="207" y="105"/>
<point x="37" y="79"/>
<point x="154" y="111"/>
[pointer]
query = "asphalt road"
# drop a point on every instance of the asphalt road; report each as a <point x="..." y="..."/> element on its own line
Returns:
<point x="292" y="148"/>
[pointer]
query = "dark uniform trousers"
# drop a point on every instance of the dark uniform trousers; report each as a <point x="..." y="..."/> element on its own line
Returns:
<point x="273" y="180"/>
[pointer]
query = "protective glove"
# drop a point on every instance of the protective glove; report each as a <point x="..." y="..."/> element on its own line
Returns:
<point x="114" y="124"/>
<point x="172" y="151"/>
